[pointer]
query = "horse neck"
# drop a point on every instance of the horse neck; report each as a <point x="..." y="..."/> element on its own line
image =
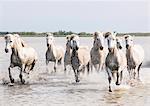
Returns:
<point x="68" y="50"/>
<point x="129" y="52"/>
<point x="115" y="51"/>
<point x="16" y="48"/>
<point x="95" y="48"/>
<point x="51" y="46"/>
<point x="74" y="53"/>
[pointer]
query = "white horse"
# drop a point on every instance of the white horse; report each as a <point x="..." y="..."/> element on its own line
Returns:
<point x="80" y="57"/>
<point x="54" y="53"/>
<point x="97" y="52"/>
<point x="67" y="57"/>
<point x="115" y="61"/>
<point x="135" y="57"/>
<point x="22" y="55"/>
<point x="118" y="41"/>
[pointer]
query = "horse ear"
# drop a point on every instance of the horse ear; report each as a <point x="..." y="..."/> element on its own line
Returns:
<point x="115" y="33"/>
<point x="22" y="44"/>
<point x="126" y="36"/>
<point x="67" y="37"/>
<point x="95" y="34"/>
<point x="107" y="34"/>
<point x="71" y="38"/>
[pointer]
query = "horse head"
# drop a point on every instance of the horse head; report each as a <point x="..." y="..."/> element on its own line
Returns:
<point x="9" y="41"/>
<point x="111" y="40"/>
<point x="128" y="40"/>
<point x="74" y="41"/>
<point x="49" y="39"/>
<point x="98" y="40"/>
<point x="119" y="40"/>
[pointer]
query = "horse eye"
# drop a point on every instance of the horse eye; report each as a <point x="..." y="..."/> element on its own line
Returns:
<point x="10" y="41"/>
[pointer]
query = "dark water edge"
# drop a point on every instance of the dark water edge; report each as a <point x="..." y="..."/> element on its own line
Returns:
<point x="139" y="34"/>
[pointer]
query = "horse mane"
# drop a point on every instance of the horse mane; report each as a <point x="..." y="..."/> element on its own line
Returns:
<point x="96" y="34"/>
<point x="127" y="36"/>
<point x="22" y="42"/>
<point x="74" y="36"/>
<point x="107" y="34"/>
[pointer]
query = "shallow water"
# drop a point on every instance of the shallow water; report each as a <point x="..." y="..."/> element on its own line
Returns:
<point x="53" y="89"/>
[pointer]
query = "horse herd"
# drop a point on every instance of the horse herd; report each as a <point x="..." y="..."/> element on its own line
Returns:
<point x="80" y="58"/>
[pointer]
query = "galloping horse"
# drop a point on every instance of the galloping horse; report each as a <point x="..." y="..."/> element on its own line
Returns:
<point x="115" y="61"/>
<point x="22" y="55"/>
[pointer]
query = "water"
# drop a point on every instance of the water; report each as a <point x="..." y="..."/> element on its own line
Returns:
<point x="46" y="88"/>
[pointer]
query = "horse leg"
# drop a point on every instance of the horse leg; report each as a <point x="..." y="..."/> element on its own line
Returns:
<point x="60" y="61"/>
<point x="109" y="79"/>
<point x="77" y="77"/>
<point x="88" y="67"/>
<point x="20" y="76"/>
<point x="121" y="76"/>
<point x="33" y="64"/>
<point x="100" y="67"/>
<point x="138" y="70"/>
<point x="55" y="65"/>
<point x="96" y="68"/>
<point x="47" y="62"/>
<point x="65" y="68"/>
<point x="117" y="82"/>
<point x="91" y="67"/>
<point x="10" y="76"/>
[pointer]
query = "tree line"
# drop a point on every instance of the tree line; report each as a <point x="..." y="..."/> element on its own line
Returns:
<point x="62" y="33"/>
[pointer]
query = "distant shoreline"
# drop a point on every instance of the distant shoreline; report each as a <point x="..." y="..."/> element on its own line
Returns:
<point x="57" y="34"/>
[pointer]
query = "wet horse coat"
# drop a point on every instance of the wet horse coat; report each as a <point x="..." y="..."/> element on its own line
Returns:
<point x="22" y="55"/>
<point x="98" y="52"/>
<point x="115" y="61"/>
<point x="53" y="53"/>
<point x="135" y="57"/>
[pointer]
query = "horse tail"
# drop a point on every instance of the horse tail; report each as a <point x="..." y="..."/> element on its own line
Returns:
<point x="33" y="64"/>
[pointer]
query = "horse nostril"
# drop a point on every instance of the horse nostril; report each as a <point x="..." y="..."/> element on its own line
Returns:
<point x="127" y="46"/>
<point x="109" y="49"/>
<point x="101" y="47"/>
<point x="6" y="50"/>
<point x="120" y="47"/>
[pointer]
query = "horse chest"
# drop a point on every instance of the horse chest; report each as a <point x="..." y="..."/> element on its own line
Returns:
<point x="50" y="55"/>
<point x="67" y="58"/>
<point x="75" y="61"/>
<point x="130" y="61"/>
<point x="111" y="62"/>
<point x="95" y="57"/>
<point x="15" y="60"/>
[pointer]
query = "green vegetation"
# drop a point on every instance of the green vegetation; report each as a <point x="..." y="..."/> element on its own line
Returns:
<point x="62" y="33"/>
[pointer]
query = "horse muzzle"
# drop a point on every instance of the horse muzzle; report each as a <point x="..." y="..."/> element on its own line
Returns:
<point x="101" y="47"/>
<point x="120" y="47"/>
<point x="47" y="45"/>
<point x="110" y="49"/>
<point x="6" y="50"/>
<point x="127" y="46"/>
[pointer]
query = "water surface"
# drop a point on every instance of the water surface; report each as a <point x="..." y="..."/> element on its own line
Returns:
<point x="46" y="88"/>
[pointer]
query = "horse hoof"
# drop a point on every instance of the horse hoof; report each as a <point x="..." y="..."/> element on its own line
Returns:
<point x="117" y="83"/>
<point x="12" y="80"/>
<point x="77" y="80"/>
<point x="110" y="90"/>
<point x="23" y="81"/>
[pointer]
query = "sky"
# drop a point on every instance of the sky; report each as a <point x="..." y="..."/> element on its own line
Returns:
<point x="75" y="15"/>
